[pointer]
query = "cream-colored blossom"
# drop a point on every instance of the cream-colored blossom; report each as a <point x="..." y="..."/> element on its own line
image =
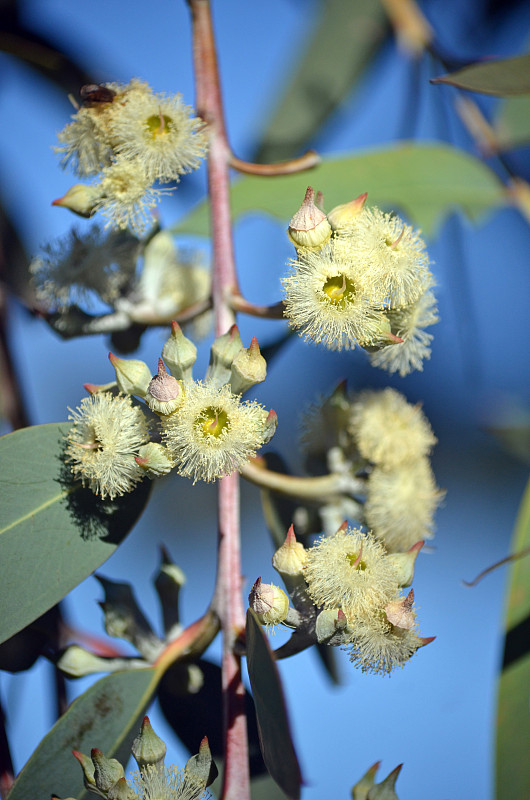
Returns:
<point x="387" y="430"/>
<point x="105" y="437"/>
<point x="380" y="647"/>
<point x="72" y="268"/>
<point x="408" y="323"/>
<point x="159" y="133"/>
<point x="400" y="504"/>
<point x="213" y="433"/>
<point x="350" y="570"/>
<point x="332" y="301"/>
<point x="392" y="252"/>
<point x="127" y="196"/>
<point x="168" y="783"/>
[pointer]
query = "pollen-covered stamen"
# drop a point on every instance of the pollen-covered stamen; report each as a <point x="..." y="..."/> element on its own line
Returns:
<point x="393" y="245"/>
<point x="339" y="290"/>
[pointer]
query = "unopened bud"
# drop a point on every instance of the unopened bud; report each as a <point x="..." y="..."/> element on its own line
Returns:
<point x="342" y="217"/>
<point x="164" y="393"/>
<point x="122" y="791"/>
<point x="201" y="767"/>
<point x="309" y="228"/>
<point x="403" y="563"/>
<point x="88" y="768"/>
<point x="248" y="368"/>
<point x="383" y="336"/>
<point x="179" y="353"/>
<point x="80" y="199"/>
<point x="399" y="612"/>
<point x="106" y="770"/>
<point x="385" y="790"/>
<point x="168" y="583"/>
<point x="154" y="459"/>
<point x="132" y="377"/>
<point x="269" y="602"/>
<point x="331" y="625"/>
<point x="222" y="353"/>
<point x="125" y="619"/>
<point x="290" y="558"/>
<point x="362" y="787"/>
<point x="148" y="749"/>
<point x="271" y="423"/>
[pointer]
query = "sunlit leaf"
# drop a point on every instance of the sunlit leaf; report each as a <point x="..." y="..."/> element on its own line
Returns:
<point x="512" y="125"/>
<point x="513" y="720"/>
<point x="53" y="533"/>
<point x="424" y="181"/>
<point x="106" y="716"/>
<point x="345" y="38"/>
<point x="500" y="77"/>
<point x="273" y="725"/>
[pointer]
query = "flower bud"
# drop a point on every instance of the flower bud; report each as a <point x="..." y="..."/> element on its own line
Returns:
<point x="201" y="767"/>
<point x="88" y="769"/>
<point x="154" y="459"/>
<point x="399" y="612"/>
<point x="132" y="377"/>
<point x="271" y="423"/>
<point x="385" y="789"/>
<point x="80" y="199"/>
<point x="290" y="558"/>
<point x="269" y="602"/>
<point x="148" y="749"/>
<point x="164" y="393"/>
<point x="403" y="563"/>
<point x="331" y="627"/>
<point x="77" y="662"/>
<point x="106" y="770"/>
<point x="124" y="618"/>
<point x="122" y="791"/>
<point x="168" y="583"/>
<point x="362" y="787"/>
<point x="343" y="216"/>
<point x="248" y="368"/>
<point x="179" y="353"/>
<point x="223" y="351"/>
<point x="309" y="227"/>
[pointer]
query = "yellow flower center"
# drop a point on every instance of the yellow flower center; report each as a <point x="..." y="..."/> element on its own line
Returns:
<point x="354" y="560"/>
<point x="159" y="125"/>
<point x="339" y="290"/>
<point x="213" y="421"/>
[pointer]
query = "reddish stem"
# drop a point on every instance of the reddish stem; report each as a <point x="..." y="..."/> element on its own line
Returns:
<point x="227" y="601"/>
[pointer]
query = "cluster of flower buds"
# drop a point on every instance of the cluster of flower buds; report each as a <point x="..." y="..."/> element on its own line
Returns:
<point x="367" y="789"/>
<point x="105" y="777"/>
<point x="346" y="591"/>
<point x="128" y="137"/>
<point x="360" y="277"/>
<point x="207" y="430"/>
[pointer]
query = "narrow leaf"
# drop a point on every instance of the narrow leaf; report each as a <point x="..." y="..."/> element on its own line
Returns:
<point x="512" y="125"/>
<point x="273" y="725"/>
<point x="425" y="181"/>
<point x="106" y="716"/>
<point x="345" y="38"/>
<point x="513" y="720"/>
<point x="53" y="533"/>
<point x="500" y="77"/>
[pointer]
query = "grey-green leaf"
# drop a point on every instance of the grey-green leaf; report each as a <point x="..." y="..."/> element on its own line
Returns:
<point x="345" y="38"/>
<point x="504" y="76"/>
<point x="425" y="181"/>
<point x="273" y="725"/>
<point x="106" y="716"/>
<point x="512" y="125"/>
<point x="53" y="533"/>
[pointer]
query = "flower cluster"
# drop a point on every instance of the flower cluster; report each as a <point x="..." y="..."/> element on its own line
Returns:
<point x="128" y="137"/>
<point x="361" y="277"/>
<point x="207" y="429"/>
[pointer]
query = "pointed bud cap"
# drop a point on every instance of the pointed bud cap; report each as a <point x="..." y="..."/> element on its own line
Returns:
<point x="168" y="583"/>
<point x="202" y="768"/>
<point x="385" y="790"/>
<point x="403" y="564"/>
<point x="122" y="791"/>
<point x="164" y="393"/>
<point x="361" y="788"/>
<point x="179" y="353"/>
<point x="148" y="749"/>
<point x="248" y="368"/>
<point x="88" y="768"/>
<point x="106" y="770"/>
<point x="132" y="377"/>
<point x="343" y="217"/>
<point x="94" y="388"/>
<point x="383" y="336"/>
<point x="154" y="459"/>
<point x="400" y="613"/>
<point x="223" y="351"/>
<point x="291" y="557"/>
<point x="271" y="423"/>
<point x="309" y="227"/>
<point x="80" y="199"/>
<point x="330" y="626"/>
<point x="269" y="602"/>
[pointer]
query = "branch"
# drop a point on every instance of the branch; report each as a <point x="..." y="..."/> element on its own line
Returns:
<point x="320" y="489"/>
<point x="274" y="311"/>
<point x="309" y="160"/>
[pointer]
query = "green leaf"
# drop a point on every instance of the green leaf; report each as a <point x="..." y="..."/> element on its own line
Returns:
<point x="513" y="720"/>
<point x="345" y="38"/>
<point x="106" y="716"/>
<point x="501" y="77"/>
<point x="425" y="181"/>
<point x="512" y="125"/>
<point x="273" y="725"/>
<point x="53" y="533"/>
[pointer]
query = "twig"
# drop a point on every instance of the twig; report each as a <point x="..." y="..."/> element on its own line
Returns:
<point x="274" y="311"/>
<point x="513" y="557"/>
<point x="309" y="160"/>
<point x="322" y="488"/>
